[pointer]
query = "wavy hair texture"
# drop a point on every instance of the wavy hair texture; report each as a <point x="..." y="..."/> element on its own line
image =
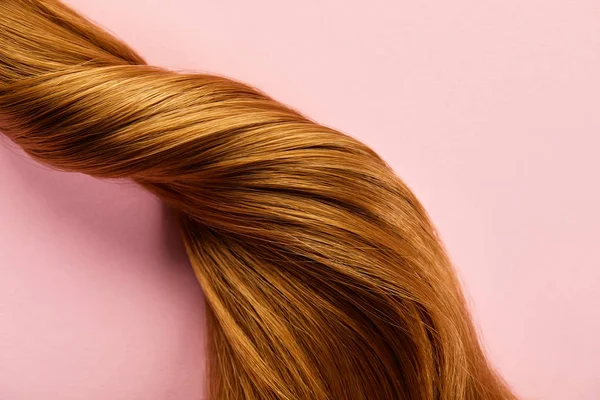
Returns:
<point x="323" y="275"/>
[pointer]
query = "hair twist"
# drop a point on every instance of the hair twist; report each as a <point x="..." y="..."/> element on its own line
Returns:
<point x="323" y="274"/>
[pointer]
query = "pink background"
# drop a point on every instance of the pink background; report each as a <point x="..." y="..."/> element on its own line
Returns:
<point x="487" y="109"/>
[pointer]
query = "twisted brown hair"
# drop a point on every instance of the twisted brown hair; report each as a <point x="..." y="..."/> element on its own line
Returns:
<point x="323" y="274"/>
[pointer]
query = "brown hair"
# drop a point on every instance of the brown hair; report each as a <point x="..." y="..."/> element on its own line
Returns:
<point x="323" y="274"/>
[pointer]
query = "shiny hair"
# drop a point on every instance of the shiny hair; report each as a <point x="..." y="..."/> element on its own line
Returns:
<point x="324" y="276"/>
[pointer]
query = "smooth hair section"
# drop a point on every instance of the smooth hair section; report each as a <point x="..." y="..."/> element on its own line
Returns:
<point x="323" y="275"/>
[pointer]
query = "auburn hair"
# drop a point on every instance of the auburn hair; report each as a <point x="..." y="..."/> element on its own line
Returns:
<point x="323" y="275"/>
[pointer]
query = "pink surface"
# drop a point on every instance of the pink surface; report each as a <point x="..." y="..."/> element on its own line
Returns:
<point x="487" y="109"/>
